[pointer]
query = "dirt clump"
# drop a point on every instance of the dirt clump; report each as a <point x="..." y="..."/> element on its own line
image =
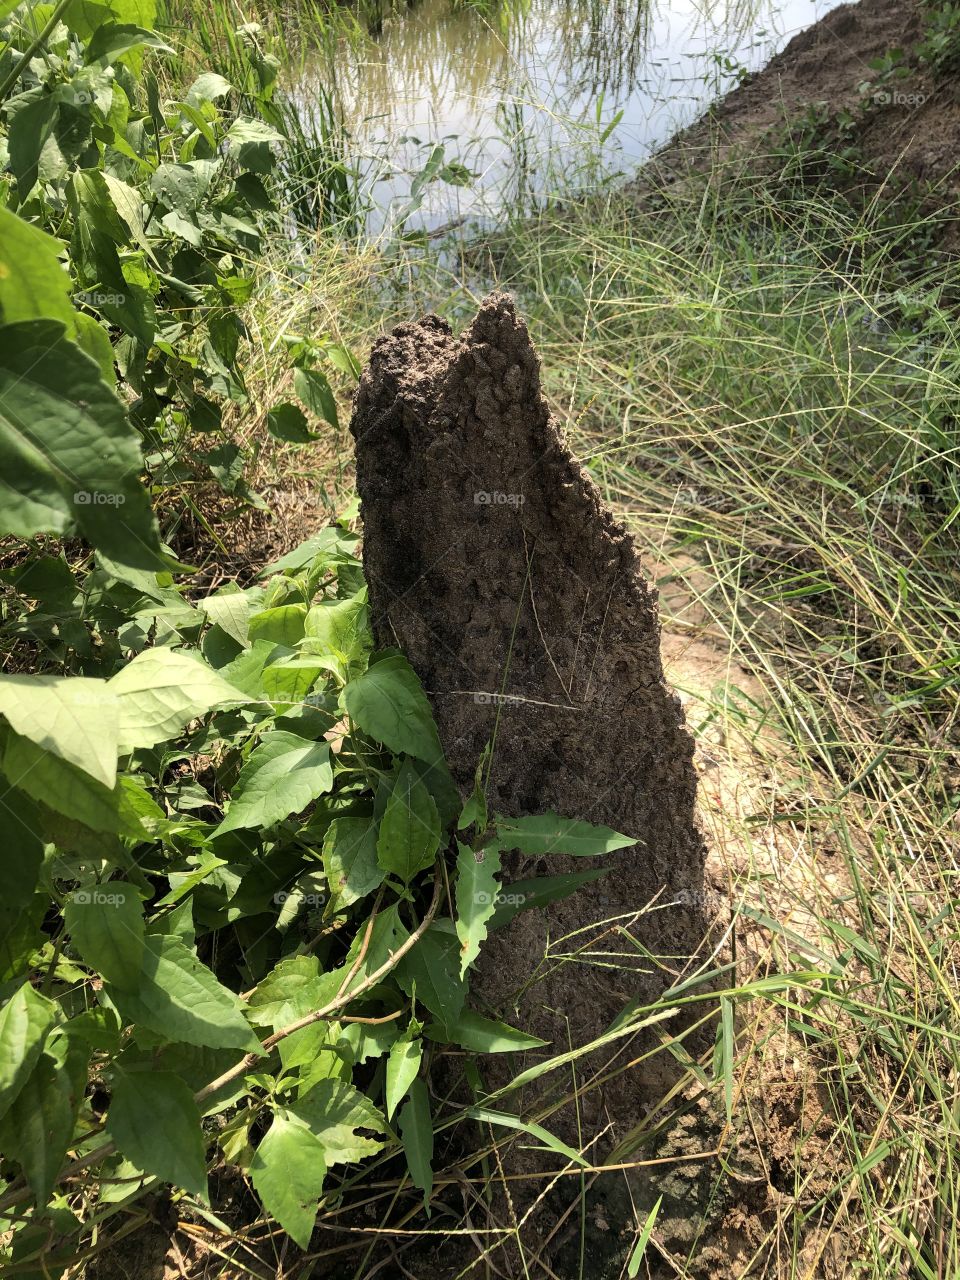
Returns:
<point x="493" y="564"/>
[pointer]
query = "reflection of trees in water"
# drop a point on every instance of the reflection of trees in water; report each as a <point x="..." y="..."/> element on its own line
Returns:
<point x="452" y="51"/>
<point x="457" y="49"/>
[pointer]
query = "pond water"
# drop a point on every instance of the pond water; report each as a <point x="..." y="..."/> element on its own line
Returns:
<point x="533" y="98"/>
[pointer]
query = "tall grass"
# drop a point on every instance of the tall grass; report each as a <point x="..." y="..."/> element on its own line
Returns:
<point x="762" y="374"/>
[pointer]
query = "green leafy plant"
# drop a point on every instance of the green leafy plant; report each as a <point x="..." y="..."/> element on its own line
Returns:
<point x="245" y="903"/>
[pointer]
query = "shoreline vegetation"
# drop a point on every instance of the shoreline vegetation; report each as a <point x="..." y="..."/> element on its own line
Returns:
<point x="752" y="346"/>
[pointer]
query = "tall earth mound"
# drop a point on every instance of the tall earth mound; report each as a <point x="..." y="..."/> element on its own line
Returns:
<point x="493" y="564"/>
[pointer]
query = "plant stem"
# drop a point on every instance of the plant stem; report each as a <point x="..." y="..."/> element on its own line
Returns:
<point x="32" y="48"/>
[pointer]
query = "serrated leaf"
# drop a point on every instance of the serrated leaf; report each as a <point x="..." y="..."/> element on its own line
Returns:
<point x="291" y="990"/>
<point x="403" y="1064"/>
<point x="180" y="999"/>
<point x="105" y="923"/>
<point x="160" y="690"/>
<point x="409" y="834"/>
<point x="25" y="1021"/>
<point x="283" y="775"/>
<point x="476" y="896"/>
<point x="68" y="455"/>
<point x="546" y="833"/>
<point x="287" y="1172"/>
<point x="481" y="1035"/>
<point x="416" y="1128"/>
<point x="350" y="859"/>
<point x="155" y="1122"/>
<point x="334" y="1110"/>
<point x="74" y="717"/>
<point x="388" y="703"/>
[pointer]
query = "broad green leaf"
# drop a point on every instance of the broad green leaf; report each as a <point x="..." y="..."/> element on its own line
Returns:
<point x="85" y="16"/>
<point x="416" y="1129"/>
<point x="31" y="123"/>
<point x="288" y="422"/>
<point x="94" y="341"/>
<point x="230" y="611"/>
<point x="431" y="969"/>
<point x="39" y="1124"/>
<point x="180" y="999"/>
<point x="291" y="990"/>
<point x="111" y="41"/>
<point x="350" y="859"/>
<point x="388" y="703"/>
<point x="409" y="835"/>
<point x="244" y="129"/>
<point x="283" y="775"/>
<point x="283" y="625"/>
<point x="33" y="284"/>
<point x="326" y="542"/>
<point x="402" y="1067"/>
<point x="208" y="87"/>
<point x="74" y="717"/>
<point x="68" y="455"/>
<point x="507" y="1121"/>
<point x="160" y="690"/>
<point x="182" y="187"/>
<point x="340" y="628"/>
<point x="481" y="1035"/>
<point x="155" y="1122"/>
<point x="334" y="1110"/>
<point x="287" y="1172"/>
<point x="97" y="233"/>
<point x="25" y="1020"/>
<point x="315" y="392"/>
<point x="105" y="922"/>
<point x="545" y="833"/>
<point x="61" y="786"/>
<point x="22" y="855"/>
<point x="289" y="680"/>
<point x="476" y="893"/>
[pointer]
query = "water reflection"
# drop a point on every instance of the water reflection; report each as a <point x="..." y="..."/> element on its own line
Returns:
<point x="535" y="96"/>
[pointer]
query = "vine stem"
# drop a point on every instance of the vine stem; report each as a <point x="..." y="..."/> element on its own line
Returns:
<point x="32" y="48"/>
<point x="249" y="1060"/>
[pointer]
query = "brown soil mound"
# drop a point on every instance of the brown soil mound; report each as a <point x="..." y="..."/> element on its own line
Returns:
<point x="493" y="565"/>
